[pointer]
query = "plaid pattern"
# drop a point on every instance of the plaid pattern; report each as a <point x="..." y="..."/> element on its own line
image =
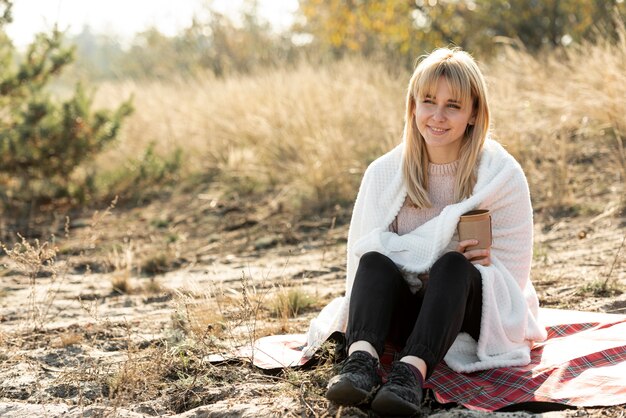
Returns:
<point x="582" y="363"/>
<point x="579" y="365"/>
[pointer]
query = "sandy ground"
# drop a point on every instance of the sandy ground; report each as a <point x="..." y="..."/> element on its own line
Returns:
<point x="70" y="345"/>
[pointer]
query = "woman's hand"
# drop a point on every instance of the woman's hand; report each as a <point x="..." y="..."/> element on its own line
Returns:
<point x="476" y="256"/>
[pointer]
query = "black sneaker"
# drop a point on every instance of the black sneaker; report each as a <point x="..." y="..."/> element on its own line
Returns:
<point x="401" y="395"/>
<point x="357" y="382"/>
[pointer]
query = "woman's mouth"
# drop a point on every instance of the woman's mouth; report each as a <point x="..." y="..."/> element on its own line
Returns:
<point x="437" y="131"/>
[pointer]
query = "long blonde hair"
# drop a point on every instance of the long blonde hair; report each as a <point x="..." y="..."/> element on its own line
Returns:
<point x="466" y="82"/>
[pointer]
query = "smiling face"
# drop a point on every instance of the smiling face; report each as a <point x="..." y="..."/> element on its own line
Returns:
<point x="442" y="119"/>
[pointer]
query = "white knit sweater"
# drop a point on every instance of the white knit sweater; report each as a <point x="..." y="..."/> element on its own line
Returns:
<point x="510" y="306"/>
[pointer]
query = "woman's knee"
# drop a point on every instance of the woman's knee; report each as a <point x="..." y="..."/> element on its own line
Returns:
<point x="377" y="270"/>
<point x="451" y="259"/>
<point x="374" y="259"/>
<point x="453" y="266"/>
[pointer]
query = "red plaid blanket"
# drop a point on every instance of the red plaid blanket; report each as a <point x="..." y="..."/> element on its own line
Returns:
<point x="582" y="363"/>
<point x="579" y="365"/>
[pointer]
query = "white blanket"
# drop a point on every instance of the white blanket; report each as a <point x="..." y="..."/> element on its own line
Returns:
<point x="509" y="321"/>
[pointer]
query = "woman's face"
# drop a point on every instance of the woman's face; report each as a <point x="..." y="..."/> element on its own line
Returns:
<point x="442" y="121"/>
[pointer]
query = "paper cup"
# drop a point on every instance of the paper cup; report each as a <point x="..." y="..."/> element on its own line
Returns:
<point x="476" y="224"/>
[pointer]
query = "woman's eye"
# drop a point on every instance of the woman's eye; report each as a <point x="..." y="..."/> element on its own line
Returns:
<point x="454" y="106"/>
<point x="427" y="100"/>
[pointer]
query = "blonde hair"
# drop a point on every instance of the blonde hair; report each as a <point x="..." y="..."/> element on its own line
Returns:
<point x="466" y="82"/>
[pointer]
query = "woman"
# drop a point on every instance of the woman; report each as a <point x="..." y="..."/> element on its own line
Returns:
<point x="410" y="283"/>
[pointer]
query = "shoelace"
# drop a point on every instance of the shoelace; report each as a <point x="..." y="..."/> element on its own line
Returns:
<point x="401" y="375"/>
<point x="358" y="363"/>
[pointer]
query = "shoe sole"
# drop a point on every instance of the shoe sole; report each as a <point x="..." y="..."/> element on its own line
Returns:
<point x="388" y="403"/>
<point x="343" y="393"/>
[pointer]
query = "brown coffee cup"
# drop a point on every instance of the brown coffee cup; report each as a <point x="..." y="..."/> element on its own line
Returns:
<point x="476" y="224"/>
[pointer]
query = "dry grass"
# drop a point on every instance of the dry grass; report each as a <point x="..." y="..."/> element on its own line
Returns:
<point x="68" y="338"/>
<point x="199" y="319"/>
<point x="221" y="318"/>
<point x="561" y="114"/>
<point x="306" y="134"/>
<point x="121" y="284"/>
<point x="37" y="260"/>
<point x="289" y="302"/>
<point x="140" y="377"/>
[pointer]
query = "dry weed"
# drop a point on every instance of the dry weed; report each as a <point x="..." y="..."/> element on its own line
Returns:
<point x="36" y="260"/>
<point x="561" y="114"/>
<point x="200" y="320"/>
<point x="288" y="302"/>
<point x="307" y="134"/>
<point x="296" y="130"/>
<point x="69" y="338"/>
<point x="609" y="286"/>
<point x="152" y="286"/>
<point x="122" y="259"/>
<point x="121" y="283"/>
<point x="140" y="377"/>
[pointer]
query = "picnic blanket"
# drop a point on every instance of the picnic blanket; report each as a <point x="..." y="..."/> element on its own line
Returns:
<point x="582" y="363"/>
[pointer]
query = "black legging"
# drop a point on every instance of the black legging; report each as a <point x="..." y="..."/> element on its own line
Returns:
<point x="382" y="308"/>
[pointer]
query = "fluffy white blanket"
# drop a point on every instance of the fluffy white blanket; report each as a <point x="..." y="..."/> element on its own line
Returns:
<point x="510" y="305"/>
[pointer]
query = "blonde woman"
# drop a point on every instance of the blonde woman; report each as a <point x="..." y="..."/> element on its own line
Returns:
<point x="410" y="283"/>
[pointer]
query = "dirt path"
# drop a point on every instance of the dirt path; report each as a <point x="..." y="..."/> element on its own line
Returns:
<point x="72" y="346"/>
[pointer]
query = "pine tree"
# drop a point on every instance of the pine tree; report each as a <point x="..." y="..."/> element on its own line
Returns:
<point x="43" y="141"/>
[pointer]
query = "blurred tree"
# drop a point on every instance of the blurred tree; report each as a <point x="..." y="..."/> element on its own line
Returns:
<point x="239" y="47"/>
<point x="395" y="31"/>
<point x="550" y="22"/>
<point x="365" y="27"/>
<point x="232" y="48"/>
<point x="42" y="142"/>
<point x="215" y="43"/>
<point x="97" y="56"/>
<point x="153" y="54"/>
<point x="407" y="28"/>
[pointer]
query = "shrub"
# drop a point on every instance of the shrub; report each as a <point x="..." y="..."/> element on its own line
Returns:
<point x="43" y="141"/>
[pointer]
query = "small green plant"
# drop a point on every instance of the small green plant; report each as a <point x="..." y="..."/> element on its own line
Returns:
<point x="540" y="253"/>
<point x="600" y="288"/>
<point x="158" y="263"/>
<point x="144" y="177"/>
<point x="606" y="287"/>
<point x="288" y="303"/>
<point x="291" y="301"/>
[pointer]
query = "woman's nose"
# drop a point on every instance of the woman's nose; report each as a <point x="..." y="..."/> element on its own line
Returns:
<point x="439" y="114"/>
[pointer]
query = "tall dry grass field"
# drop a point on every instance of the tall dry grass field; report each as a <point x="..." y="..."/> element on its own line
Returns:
<point x="306" y="134"/>
<point x="563" y="116"/>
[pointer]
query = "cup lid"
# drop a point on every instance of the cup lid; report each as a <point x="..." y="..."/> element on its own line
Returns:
<point x="475" y="213"/>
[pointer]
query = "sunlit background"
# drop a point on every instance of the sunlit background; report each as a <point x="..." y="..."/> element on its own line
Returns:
<point x="292" y="98"/>
<point x="177" y="178"/>
<point x="123" y="19"/>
